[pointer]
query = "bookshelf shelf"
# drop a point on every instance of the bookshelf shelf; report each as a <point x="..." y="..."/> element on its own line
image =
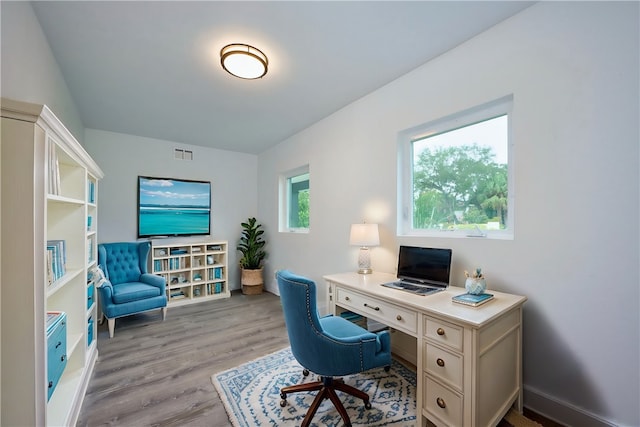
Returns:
<point x="194" y="272"/>
<point x="54" y="192"/>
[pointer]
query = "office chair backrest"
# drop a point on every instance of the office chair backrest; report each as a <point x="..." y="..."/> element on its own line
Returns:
<point x="298" y="296"/>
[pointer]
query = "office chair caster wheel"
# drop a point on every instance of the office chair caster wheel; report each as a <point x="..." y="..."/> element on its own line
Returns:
<point x="387" y="368"/>
<point x="305" y="372"/>
<point x="367" y="405"/>
<point x="283" y="403"/>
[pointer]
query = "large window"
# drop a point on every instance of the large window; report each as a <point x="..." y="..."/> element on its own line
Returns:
<point x="294" y="200"/>
<point x="456" y="177"/>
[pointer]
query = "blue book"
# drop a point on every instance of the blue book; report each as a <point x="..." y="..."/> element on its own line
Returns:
<point x="471" y="299"/>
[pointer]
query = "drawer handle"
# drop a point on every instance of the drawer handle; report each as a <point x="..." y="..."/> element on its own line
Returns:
<point x="440" y="402"/>
<point x="347" y="299"/>
<point x="369" y="306"/>
<point x="398" y="317"/>
<point x="59" y="344"/>
<point x="440" y="362"/>
<point x="440" y="331"/>
<point x="63" y="357"/>
<point x="50" y="384"/>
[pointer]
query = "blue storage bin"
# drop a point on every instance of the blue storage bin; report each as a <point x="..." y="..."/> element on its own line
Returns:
<point x="90" y="331"/>
<point x="90" y="295"/>
<point x="56" y="349"/>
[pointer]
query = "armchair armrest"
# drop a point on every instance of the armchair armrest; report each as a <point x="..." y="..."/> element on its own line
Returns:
<point x="106" y="292"/>
<point x="154" y="280"/>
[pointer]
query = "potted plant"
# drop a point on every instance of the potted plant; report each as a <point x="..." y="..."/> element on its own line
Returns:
<point x="252" y="247"/>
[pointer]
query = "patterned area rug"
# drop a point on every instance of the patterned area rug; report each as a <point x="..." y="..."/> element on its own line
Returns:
<point x="251" y="395"/>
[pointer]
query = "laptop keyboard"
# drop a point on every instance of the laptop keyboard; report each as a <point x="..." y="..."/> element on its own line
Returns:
<point x="416" y="289"/>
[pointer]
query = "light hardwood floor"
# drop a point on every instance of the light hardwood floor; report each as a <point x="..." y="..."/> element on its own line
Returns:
<point x="155" y="373"/>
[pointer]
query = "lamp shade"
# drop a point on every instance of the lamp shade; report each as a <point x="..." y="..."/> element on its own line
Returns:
<point x="364" y="235"/>
<point x="244" y="61"/>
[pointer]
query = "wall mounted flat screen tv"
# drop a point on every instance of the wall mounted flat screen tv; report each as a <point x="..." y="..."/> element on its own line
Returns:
<point x="173" y="207"/>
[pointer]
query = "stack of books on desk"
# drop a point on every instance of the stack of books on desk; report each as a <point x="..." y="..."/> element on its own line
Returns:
<point x="471" y="299"/>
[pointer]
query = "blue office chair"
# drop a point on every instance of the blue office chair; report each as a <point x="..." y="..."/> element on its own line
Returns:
<point x="329" y="346"/>
<point x="128" y="288"/>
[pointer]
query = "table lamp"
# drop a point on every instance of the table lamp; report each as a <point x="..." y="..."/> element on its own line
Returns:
<point x="364" y="235"/>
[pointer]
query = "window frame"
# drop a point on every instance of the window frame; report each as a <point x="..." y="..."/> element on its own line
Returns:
<point x="285" y="197"/>
<point x="405" y="208"/>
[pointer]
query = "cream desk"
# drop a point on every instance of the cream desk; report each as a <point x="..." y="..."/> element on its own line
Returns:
<point x="469" y="359"/>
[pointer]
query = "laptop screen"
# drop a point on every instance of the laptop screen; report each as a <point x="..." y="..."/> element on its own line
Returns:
<point x="424" y="265"/>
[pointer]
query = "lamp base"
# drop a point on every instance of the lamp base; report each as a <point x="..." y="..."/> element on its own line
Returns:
<point x="364" y="261"/>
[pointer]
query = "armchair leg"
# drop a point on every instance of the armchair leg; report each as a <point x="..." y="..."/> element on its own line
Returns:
<point x="112" y="326"/>
<point x="164" y="313"/>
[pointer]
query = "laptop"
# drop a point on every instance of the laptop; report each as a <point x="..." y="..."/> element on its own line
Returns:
<point x="422" y="271"/>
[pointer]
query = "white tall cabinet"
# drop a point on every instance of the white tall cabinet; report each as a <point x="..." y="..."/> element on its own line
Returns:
<point x="49" y="191"/>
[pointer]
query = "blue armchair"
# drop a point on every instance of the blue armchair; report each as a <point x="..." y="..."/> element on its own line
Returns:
<point x="329" y="346"/>
<point x="128" y="288"/>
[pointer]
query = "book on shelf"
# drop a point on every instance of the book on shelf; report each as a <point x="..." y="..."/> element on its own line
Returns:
<point x="56" y="260"/>
<point x="54" y="170"/>
<point x="471" y="299"/>
<point x="91" y="191"/>
<point x="53" y="318"/>
<point x="177" y="295"/>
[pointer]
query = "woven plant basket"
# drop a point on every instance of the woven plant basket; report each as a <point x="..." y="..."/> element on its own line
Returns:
<point x="252" y="282"/>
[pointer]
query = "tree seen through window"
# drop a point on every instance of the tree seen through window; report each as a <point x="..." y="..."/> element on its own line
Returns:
<point x="460" y="177"/>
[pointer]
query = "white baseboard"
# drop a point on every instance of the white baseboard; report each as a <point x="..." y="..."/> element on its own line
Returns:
<point x="560" y="411"/>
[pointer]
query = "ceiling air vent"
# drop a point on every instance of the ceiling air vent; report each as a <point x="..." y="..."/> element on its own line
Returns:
<point x="180" y="154"/>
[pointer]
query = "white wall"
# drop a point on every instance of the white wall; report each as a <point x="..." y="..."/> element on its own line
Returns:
<point x="29" y="71"/>
<point x="123" y="157"/>
<point x="573" y="70"/>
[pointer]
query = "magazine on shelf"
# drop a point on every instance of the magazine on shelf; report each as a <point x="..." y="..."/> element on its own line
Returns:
<point x="472" y="300"/>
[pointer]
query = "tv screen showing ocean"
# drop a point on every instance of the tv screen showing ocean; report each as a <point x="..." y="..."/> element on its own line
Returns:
<point x="172" y="221"/>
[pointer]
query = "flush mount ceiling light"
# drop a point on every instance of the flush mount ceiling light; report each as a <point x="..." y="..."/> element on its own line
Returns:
<point x="244" y="61"/>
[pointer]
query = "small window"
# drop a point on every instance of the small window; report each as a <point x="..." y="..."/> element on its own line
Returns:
<point x="294" y="200"/>
<point x="456" y="175"/>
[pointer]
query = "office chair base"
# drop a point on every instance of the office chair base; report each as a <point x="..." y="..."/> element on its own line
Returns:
<point x="327" y="387"/>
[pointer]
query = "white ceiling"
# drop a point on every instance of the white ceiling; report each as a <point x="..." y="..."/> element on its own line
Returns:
<point x="153" y="69"/>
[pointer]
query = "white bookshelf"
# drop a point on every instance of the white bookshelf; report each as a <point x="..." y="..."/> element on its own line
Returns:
<point x="194" y="272"/>
<point x="49" y="189"/>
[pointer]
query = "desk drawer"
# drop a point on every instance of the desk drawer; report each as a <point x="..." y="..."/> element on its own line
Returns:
<point x="387" y="313"/>
<point x="444" y="365"/>
<point x="444" y="333"/>
<point x="444" y="404"/>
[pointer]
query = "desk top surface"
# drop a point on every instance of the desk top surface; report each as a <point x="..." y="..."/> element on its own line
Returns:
<point x="439" y="303"/>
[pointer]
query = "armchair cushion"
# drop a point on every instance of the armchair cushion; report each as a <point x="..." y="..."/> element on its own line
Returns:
<point x="133" y="291"/>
